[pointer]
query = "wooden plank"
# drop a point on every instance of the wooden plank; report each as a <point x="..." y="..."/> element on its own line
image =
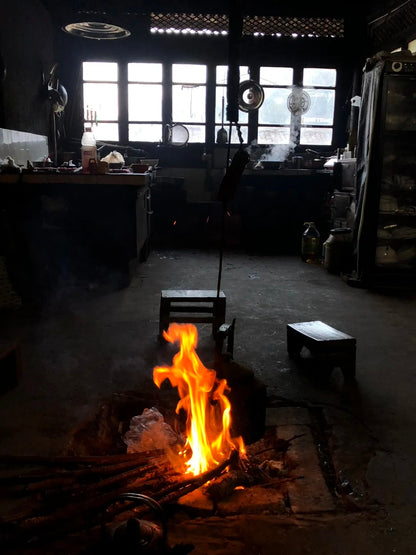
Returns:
<point x="181" y="295"/>
<point x="198" y="309"/>
<point x="191" y="319"/>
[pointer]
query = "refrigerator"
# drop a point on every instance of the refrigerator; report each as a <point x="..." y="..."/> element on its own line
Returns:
<point x="385" y="219"/>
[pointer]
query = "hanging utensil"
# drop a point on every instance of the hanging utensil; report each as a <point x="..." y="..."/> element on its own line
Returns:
<point x="222" y="136"/>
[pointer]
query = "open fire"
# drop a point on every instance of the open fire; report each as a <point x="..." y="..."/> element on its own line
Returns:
<point x="203" y="398"/>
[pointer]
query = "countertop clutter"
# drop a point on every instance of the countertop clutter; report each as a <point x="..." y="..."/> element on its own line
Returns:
<point x="101" y="173"/>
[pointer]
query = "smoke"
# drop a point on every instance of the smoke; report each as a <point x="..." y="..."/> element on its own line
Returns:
<point x="271" y="153"/>
<point x="277" y="153"/>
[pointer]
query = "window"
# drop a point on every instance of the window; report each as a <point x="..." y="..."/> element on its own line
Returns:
<point x="100" y="89"/>
<point x="135" y="101"/>
<point x="145" y="94"/>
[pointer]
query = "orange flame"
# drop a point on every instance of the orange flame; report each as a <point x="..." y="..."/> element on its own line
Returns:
<point x="203" y="398"/>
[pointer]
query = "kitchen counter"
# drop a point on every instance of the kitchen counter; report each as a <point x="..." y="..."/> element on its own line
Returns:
<point x="126" y="179"/>
<point x="294" y="172"/>
<point x="73" y="228"/>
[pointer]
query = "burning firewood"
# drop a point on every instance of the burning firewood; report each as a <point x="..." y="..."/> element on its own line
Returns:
<point x="223" y="487"/>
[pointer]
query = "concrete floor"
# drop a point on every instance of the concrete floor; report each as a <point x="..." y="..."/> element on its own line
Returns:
<point x="85" y="343"/>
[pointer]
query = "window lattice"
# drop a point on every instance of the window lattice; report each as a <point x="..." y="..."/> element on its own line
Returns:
<point x="290" y="26"/>
<point x="183" y="22"/>
<point x="252" y="25"/>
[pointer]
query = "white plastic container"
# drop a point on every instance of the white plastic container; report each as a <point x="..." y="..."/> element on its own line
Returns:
<point x="88" y="149"/>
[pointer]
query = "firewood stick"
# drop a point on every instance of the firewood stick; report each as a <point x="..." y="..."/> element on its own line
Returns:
<point x="223" y="486"/>
<point x="59" y="496"/>
<point x="175" y="491"/>
<point x="77" y="477"/>
<point x="74" y="460"/>
<point x="82" y="490"/>
<point x="80" y="514"/>
<point x="41" y="475"/>
<point x="86" y="508"/>
<point x="68" y="519"/>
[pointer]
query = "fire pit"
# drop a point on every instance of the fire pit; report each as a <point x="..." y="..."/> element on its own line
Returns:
<point x="104" y="503"/>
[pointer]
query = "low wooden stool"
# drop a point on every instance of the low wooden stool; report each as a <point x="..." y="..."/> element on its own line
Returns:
<point x="324" y="342"/>
<point x="191" y="306"/>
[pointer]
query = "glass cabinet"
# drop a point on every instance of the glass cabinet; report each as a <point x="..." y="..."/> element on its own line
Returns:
<point x="385" y="227"/>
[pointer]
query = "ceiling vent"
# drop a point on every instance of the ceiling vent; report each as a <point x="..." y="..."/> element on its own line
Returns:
<point x="96" y="25"/>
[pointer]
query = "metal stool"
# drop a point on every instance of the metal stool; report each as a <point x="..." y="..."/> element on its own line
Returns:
<point x="323" y="341"/>
<point x="191" y="306"/>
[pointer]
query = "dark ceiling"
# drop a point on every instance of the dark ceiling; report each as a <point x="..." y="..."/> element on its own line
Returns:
<point x="356" y="8"/>
<point x="389" y="23"/>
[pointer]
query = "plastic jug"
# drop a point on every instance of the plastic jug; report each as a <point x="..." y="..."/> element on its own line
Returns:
<point x="311" y="244"/>
<point x="88" y="149"/>
<point x="337" y="250"/>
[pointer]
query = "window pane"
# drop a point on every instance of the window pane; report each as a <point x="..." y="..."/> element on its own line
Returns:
<point x="106" y="132"/>
<point x="222" y="74"/>
<point x="196" y="133"/>
<point x="101" y="99"/>
<point x="234" y="134"/>
<point x="145" y="102"/>
<point x="221" y="92"/>
<point x="321" y="111"/>
<point x="188" y="103"/>
<point x="274" y="108"/>
<point x="145" y="132"/>
<point x="273" y="135"/>
<point x="276" y="76"/>
<point x="244" y="74"/>
<point x="99" y="71"/>
<point x="319" y="77"/>
<point x="315" y="136"/>
<point x="145" y="73"/>
<point x="189" y="73"/>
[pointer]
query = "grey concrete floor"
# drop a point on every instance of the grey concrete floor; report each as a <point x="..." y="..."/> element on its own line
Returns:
<point x="85" y="343"/>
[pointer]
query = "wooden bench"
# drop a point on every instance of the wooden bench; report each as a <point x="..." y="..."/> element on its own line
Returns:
<point x="325" y="342"/>
<point x="191" y="306"/>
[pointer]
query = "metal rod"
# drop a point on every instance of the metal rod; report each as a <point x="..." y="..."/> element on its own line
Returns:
<point x="224" y="213"/>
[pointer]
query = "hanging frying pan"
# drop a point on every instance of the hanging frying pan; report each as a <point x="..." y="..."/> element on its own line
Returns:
<point x="176" y="134"/>
<point x="250" y="96"/>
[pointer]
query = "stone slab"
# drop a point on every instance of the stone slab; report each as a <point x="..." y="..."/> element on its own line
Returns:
<point x="308" y="492"/>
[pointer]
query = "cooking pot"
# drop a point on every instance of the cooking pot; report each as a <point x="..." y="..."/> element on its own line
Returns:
<point x="314" y="160"/>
